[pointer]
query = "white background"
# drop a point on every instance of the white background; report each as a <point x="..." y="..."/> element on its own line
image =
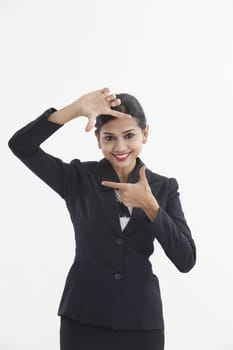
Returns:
<point x="176" y="57"/>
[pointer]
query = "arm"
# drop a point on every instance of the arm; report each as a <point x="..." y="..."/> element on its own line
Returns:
<point x="25" y="143"/>
<point x="169" y="224"/>
<point x="173" y="233"/>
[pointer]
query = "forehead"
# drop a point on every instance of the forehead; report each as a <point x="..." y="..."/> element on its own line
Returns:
<point x="119" y="125"/>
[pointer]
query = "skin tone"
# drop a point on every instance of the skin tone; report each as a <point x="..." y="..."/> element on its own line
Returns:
<point x="137" y="195"/>
<point x="90" y="106"/>
<point x="121" y="141"/>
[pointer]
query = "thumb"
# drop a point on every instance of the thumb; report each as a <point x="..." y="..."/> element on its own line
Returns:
<point x="90" y="124"/>
<point x="142" y="174"/>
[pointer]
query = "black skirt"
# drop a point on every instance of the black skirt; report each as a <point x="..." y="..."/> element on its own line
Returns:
<point x="78" y="336"/>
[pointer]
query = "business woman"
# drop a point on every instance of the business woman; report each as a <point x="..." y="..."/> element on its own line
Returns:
<point x="118" y="207"/>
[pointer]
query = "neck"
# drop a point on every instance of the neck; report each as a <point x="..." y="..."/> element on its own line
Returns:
<point x="124" y="173"/>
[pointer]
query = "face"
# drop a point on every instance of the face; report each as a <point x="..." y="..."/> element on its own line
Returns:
<point x="121" y="141"/>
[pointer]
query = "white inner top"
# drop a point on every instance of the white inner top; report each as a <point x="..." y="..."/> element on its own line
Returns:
<point x="124" y="219"/>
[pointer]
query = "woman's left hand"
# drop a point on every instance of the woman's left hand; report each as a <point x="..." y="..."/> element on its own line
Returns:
<point x="137" y="195"/>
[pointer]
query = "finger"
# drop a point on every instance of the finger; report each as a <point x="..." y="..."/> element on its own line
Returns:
<point x="116" y="185"/>
<point x="105" y="91"/>
<point x="116" y="102"/>
<point x="142" y="174"/>
<point x="112" y="97"/>
<point x="90" y="124"/>
<point x="119" y="114"/>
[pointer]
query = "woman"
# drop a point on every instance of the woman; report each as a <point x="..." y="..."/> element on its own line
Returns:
<point x="111" y="299"/>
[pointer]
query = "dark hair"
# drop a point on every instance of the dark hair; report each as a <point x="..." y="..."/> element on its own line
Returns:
<point x="130" y="105"/>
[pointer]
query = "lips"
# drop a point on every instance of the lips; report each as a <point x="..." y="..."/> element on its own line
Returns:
<point x="120" y="157"/>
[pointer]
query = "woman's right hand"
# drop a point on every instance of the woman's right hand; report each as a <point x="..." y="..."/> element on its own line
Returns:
<point x="98" y="102"/>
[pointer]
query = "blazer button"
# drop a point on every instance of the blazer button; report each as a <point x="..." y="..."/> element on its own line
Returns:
<point x="117" y="276"/>
<point x="119" y="240"/>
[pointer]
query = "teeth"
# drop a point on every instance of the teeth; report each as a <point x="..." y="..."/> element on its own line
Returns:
<point x="121" y="156"/>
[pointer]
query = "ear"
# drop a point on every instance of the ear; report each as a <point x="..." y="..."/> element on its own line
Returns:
<point x="145" y="133"/>
<point x="98" y="139"/>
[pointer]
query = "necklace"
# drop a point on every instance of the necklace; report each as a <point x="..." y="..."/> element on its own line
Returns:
<point x="123" y="210"/>
<point x="118" y="197"/>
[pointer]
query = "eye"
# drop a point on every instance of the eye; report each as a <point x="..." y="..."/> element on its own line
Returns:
<point x="108" y="138"/>
<point x="129" y="135"/>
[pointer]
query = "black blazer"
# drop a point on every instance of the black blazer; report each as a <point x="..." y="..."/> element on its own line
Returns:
<point x="111" y="282"/>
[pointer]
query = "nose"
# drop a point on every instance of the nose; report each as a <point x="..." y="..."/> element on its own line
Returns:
<point x="120" y="146"/>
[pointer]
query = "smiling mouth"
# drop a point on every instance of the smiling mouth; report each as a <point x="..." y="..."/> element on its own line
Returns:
<point x="120" y="157"/>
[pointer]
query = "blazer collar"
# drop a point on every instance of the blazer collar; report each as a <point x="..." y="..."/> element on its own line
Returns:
<point x="105" y="171"/>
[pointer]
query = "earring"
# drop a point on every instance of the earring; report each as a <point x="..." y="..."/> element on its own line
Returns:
<point x="144" y="141"/>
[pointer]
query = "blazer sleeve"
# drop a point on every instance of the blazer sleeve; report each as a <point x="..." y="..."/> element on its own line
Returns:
<point x="173" y="233"/>
<point x="25" y="144"/>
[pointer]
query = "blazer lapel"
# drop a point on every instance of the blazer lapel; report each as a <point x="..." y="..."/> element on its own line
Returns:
<point x="105" y="171"/>
<point x="138" y="215"/>
<point x="106" y="195"/>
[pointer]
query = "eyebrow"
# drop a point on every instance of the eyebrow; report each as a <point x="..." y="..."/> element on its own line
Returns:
<point x="124" y="132"/>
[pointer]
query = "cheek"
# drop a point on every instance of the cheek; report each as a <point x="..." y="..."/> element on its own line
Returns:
<point x="106" y="147"/>
<point x="136" y="144"/>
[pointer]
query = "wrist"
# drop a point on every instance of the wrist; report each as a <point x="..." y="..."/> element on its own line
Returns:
<point x="151" y="203"/>
<point x="76" y="108"/>
<point x="64" y="114"/>
<point x="151" y="208"/>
